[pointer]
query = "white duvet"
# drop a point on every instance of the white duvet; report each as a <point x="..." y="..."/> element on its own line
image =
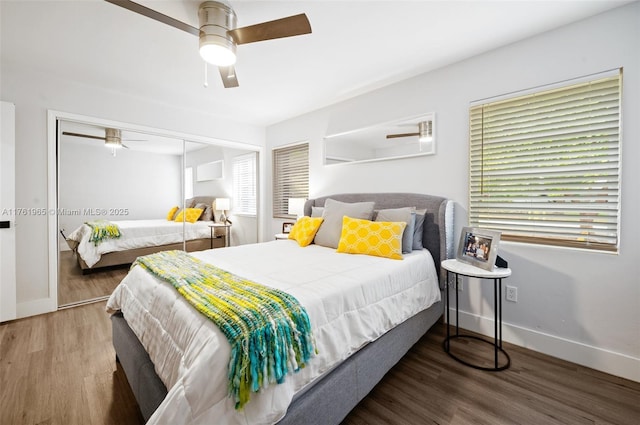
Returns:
<point x="351" y="300"/>
<point x="137" y="234"/>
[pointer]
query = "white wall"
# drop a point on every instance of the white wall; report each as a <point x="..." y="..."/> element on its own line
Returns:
<point x="132" y="185"/>
<point x="216" y="187"/>
<point x="582" y="306"/>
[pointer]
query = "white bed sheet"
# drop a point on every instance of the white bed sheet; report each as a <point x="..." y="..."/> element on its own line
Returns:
<point x="137" y="234"/>
<point x="351" y="300"/>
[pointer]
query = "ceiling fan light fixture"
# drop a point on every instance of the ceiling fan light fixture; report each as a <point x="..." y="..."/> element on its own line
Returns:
<point x="217" y="53"/>
<point x="217" y="47"/>
<point x="425" y="131"/>
<point x="113" y="138"/>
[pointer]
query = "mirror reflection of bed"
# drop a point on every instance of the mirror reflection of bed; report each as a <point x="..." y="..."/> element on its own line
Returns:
<point x="134" y="187"/>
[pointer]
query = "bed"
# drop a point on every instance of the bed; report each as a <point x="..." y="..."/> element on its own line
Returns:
<point x="353" y="353"/>
<point x="143" y="237"/>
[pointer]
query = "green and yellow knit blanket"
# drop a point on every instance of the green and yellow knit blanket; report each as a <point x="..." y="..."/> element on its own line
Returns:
<point x="269" y="331"/>
<point x="101" y="230"/>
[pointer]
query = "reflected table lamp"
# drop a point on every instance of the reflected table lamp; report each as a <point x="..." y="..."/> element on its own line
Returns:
<point x="223" y="204"/>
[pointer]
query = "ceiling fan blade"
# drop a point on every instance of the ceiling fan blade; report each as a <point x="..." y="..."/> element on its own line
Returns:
<point x="229" y="77"/>
<point x="150" y="13"/>
<point x="279" y="28"/>
<point x="394" y="136"/>
<point x="67" y="133"/>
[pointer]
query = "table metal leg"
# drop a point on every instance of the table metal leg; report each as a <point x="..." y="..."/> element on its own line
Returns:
<point x="500" y="312"/>
<point x="495" y="321"/>
<point x="457" y="309"/>
<point x="446" y="297"/>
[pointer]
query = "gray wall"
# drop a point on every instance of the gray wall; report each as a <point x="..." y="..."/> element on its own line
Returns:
<point x="582" y="306"/>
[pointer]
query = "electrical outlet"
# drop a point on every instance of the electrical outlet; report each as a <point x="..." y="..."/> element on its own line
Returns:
<point x="452" y="284"/>
<point x="512" y="294"/>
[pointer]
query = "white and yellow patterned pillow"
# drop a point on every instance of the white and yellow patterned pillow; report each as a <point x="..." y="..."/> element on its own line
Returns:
<point x="305" y="230"/>
<point x="379" y="238"/>
<point x="189" y="214"/>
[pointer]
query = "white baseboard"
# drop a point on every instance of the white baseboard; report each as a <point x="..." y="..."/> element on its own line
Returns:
<point x="617" y="364"/>
<point x="35" y="307"/>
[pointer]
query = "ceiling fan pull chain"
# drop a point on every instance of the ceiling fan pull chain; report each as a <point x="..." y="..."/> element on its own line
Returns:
<point x="206" y="77"/>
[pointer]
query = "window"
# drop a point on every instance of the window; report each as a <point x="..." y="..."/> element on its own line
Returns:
<point x="244" y="184"/>
<point x="545" y="166"/>
<point x="290" y="177"/>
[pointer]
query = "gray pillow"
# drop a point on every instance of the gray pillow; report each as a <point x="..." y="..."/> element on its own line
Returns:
<point x="401" y="214"/>
<point x="317" y="211"/>
<point x="417" y="232"/>
<point x="207" y="214"/>
<point x="331" y="228"/>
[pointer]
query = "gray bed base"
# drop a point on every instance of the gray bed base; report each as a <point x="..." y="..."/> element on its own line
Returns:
<point x="330" y="399"/>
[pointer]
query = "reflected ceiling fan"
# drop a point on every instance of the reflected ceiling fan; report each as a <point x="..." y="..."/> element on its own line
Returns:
<point x="218" y="33"/>
<point x="112" y="138"/>
<point x="425" y="132"/>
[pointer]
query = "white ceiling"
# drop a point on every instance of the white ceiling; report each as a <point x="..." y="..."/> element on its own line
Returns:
<point x="355" y="47"/>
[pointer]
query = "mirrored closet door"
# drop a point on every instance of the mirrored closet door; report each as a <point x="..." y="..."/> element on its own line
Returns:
<point x="109" y="177"/>
<point x="117" y="187"/>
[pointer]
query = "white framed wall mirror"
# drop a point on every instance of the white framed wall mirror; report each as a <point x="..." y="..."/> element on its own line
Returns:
<point x="404" y="138"/>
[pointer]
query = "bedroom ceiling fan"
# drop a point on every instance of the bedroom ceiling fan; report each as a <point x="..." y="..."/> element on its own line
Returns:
<point x="425" y="132"/>
<point x="218" y="33"/>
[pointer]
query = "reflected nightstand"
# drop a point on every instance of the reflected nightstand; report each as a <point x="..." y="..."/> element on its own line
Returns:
<point x="227" y="231"/>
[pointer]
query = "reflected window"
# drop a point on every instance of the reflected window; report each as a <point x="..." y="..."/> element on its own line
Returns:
<point x="244" y="184"/>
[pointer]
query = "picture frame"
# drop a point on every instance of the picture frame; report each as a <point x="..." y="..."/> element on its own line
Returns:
<point x="478" y="247"/>
<point x="286" y="227"/>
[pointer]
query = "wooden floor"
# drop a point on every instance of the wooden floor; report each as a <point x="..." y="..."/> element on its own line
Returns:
<point x="75" y="287"/>
<point x="59" y="368"/>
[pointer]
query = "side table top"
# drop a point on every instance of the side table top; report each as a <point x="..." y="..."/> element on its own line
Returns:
<point x="465" y="269"/>
<point x="218" y="225"/>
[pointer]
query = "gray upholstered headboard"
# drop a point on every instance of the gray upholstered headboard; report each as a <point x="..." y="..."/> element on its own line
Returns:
<point x="202" y="199"/>
<point x="438" y="221"/>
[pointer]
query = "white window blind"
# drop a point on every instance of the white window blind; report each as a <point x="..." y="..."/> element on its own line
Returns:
<point x="244" y="184"/>
<point x="290" y="177"/>
<point x="544" y="167"/>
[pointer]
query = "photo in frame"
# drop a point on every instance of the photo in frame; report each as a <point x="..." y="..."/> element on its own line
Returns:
<point x="478" y="247"/>
<point x="286" y="227"/>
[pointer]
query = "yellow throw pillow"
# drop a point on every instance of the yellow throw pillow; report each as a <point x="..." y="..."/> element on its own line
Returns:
<point x="172" y="212"/>
<point x="305" y="230"/>
<point x="379" y="238"/>
<point x="192" y="215"/>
